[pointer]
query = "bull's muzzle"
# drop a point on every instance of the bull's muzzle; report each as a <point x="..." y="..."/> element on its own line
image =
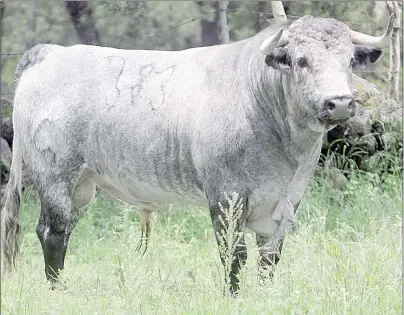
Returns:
<point x="340" y="108"/>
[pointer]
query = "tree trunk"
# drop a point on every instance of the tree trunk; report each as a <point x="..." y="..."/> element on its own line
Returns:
<point x="30" y="40"/>
<point x="80" y="13"/>
<point x="379" y="10"/>
<point x="208" y="33"/>
<point x="2" y="7"/>
<point x="279" y="12"/>
<point x="394" y="71"/>
<point x="208" y="28"/>
<point x="262" y="18"/>
<point x="221" y="22"/>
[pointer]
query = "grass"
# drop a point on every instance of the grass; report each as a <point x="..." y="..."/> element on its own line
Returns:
<point x="344" y="259"/>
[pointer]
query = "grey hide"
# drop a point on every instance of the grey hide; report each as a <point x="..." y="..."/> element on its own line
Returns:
<point x="160" y="127"/>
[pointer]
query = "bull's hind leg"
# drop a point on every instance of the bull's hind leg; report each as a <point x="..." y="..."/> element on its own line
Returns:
<point x="61" y="201"/>
<point x="229" y="226"/>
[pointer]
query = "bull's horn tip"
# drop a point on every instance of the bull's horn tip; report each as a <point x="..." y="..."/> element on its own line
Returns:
<point x="267" y="45"/>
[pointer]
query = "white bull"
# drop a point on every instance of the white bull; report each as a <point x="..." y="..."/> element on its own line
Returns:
<point x="158" y="127"/>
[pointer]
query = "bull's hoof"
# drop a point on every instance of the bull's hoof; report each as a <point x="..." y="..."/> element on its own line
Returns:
<point x="57" y="285"/>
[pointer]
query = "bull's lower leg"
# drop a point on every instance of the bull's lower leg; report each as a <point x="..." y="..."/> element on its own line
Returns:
<point x="54" y="246"/>
<point x="55" y="225"/>
<point x="239" y="260"/>
<point x="269" y="255"/>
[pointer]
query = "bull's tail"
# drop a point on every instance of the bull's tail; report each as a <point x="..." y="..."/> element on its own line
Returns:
<point x="10" y="228"/>
<point x="146" y="220"/>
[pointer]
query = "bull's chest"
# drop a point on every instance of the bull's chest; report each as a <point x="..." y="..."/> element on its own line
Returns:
<point x="280" y="196"/>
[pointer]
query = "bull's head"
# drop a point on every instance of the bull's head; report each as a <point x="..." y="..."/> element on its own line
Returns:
<point x="317" y="56"/>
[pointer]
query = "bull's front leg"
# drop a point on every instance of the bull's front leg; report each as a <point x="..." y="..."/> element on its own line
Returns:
<point x="228" y="224"/>
<point x="270" y="247"/>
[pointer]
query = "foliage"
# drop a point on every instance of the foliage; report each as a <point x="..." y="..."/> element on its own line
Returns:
<point x="228" y="236"/>
<point x="344" y="259"/>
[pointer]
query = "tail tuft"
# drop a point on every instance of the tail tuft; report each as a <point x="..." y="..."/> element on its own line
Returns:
<point x="10" y="227"/>
<point x="146" y="219"/>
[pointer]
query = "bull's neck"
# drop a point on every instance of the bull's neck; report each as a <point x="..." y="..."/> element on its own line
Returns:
<point x="266" y="90"/>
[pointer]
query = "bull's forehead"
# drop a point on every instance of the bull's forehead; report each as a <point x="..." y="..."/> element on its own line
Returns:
<point x="328" y="32"/>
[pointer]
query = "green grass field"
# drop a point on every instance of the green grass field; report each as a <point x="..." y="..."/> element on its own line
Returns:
<point x="344" y="259"/>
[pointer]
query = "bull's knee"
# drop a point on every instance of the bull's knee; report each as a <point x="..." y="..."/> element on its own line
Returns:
<point x="269" y="255"/>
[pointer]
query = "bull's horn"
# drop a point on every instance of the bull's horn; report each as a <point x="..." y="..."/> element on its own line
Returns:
<point x="360" y="38"/>
<point x="279" y="39"/>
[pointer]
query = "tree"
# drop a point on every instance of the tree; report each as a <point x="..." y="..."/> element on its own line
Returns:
<point x="279" y="12"/>
<point x="379" y="10"/>
<point x="262" y="8"/>
<point x="80" y="13"/>
<point x="221" y="22"/>
<point x="394" y="71"/>
<point x="2" y="7"/>
<point x="30" y="40"/>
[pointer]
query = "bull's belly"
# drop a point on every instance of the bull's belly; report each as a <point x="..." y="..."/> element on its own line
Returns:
<point x="139" y="183"/>
<point x="141" y="193"/>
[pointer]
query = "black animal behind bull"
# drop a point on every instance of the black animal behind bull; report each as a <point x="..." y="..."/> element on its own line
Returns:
<point x="156" y="127"/>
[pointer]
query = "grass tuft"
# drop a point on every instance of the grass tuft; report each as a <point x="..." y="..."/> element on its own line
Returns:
<point x="345" y="258"/>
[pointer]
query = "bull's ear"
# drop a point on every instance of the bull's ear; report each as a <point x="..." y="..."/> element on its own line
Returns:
<point x="278" y="59"/>
<point x="365" y="54"/>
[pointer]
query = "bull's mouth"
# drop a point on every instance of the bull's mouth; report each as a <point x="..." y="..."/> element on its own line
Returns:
<point x="326" y="120"/>
<point x="323" y="124"/>
<point x="328" y="124"/>
<point x="337" y="121"/>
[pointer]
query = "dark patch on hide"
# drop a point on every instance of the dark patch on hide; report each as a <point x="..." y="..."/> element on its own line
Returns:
<point x="110" y="60"/>
<point x="146" y="73"/>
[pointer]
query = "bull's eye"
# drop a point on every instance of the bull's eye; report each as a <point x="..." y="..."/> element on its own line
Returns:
<point x="302" y="62"/>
